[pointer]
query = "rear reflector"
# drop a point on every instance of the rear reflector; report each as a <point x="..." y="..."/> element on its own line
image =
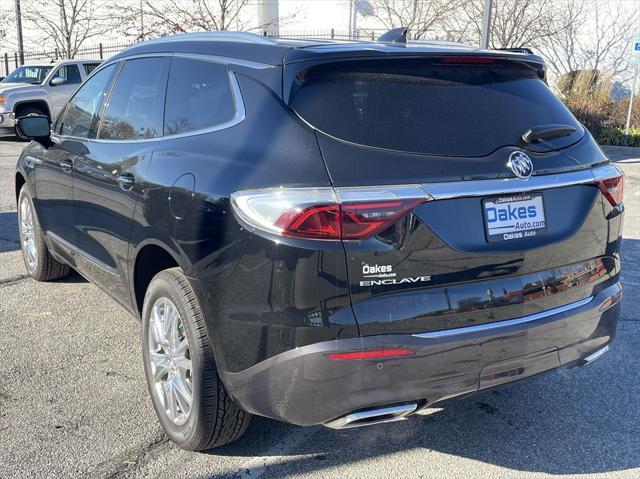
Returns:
<point x="612" y="189"/>
<point x="372" y="354"/>
<point x="320" y="213"/>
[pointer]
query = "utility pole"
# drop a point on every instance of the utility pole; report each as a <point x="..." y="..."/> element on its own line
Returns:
<point x="19" y="28"/>
<point x="486" y="24"/>
<point x="635" y="55"/>
<point x="351" y="17"/>
<point x="269" y="17"/>
<point x="633" y="92"/>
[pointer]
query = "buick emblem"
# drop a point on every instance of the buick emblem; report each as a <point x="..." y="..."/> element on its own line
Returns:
<point x="520" y="164"/>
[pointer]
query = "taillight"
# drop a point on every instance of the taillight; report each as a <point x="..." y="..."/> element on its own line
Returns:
<point x="364" y="220"/>
<point x="322" y="213"/>
<point x="612" y="189"/>
<point x="469" y="60"/>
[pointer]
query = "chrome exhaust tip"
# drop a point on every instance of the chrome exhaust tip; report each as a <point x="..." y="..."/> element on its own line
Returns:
<point x="369" y="417"/>
<point x="595" y="355"/>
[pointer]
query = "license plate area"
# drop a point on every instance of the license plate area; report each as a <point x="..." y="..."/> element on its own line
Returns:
<point x="509" y="218"/>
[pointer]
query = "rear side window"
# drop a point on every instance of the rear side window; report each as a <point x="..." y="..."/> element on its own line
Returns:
<point x="198" y="96"/>
<point x="69" y="73"/>
<point x="429" y="106"/>
<point x="89" y="67"/>
<point x="135" y="107"/>
<point x="79" y="118"/>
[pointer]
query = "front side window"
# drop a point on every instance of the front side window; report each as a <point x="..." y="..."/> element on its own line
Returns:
<point x="136" y="106"/>
<point x="28" y="74"/>
<point x="198" y="96"/>
<point x="69" y="73"/>
<point x="80" y="117"/>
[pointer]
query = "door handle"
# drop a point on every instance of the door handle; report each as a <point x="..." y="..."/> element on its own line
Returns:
<point x="66" y="165"/>
<point x="126" y="181"/>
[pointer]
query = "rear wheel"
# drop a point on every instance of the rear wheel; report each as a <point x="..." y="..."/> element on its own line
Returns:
<point x="188" y="396"/>
<point x="39" y="263"/>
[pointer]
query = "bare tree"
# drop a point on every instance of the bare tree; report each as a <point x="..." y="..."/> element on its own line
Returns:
<point x="165" y="17"/>
<point x="596" y="37"/>
<point x="515" y="23"/>
<point x="421" y="17"/>
<point x="67" y="23"/>
<point x="6" y="22"/>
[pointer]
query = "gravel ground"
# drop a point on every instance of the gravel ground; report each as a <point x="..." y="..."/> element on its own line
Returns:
<point x="73" y="401"/>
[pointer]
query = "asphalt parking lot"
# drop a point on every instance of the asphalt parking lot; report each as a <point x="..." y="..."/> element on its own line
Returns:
<point x="73" y="399"/>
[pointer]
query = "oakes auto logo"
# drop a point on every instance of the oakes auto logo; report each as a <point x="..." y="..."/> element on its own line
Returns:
<point x="383" y="275"/>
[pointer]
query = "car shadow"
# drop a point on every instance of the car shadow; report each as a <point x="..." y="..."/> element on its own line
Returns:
<point x="9" y="240"/>
<point x="571" y="421"/>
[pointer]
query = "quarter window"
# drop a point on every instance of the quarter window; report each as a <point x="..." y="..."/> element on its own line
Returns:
<point x="80" y="116"/>
<point x="69" y="73"/>
<point x="135" y="108"/>
<point x="198" y="96"/>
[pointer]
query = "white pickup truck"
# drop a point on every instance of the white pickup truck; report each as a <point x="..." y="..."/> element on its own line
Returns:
<point x="42" y="89"/>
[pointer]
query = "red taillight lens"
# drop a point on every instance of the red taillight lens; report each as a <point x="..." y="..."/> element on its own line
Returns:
<point x="364" y="220"/>
<point x="352" y="221"/>
<point x="612" y="189"/>
<point x="316" y="222"/>
<point x="372" y="354"/>
<point x="469" y="60"/>
<point x="350" y="213"/>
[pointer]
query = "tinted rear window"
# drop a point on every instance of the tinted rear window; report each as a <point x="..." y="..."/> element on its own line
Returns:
<point x="428" y="106"/>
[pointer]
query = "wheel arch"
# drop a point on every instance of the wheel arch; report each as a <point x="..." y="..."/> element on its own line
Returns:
<point x="41" y="104"/>
<point x="150" y="258"/>
<point x="20" y="182"/>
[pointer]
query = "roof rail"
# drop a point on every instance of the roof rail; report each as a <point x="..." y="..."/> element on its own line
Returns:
<point x="228" y="36"/>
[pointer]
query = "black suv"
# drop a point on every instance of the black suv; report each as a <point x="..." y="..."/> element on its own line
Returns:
<point x="320" y="232"/>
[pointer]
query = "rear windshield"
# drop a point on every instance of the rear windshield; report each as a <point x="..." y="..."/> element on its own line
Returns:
<point x="429" y="106"/>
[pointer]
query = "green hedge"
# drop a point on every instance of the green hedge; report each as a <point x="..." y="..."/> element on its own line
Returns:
<point x="616" y="137"/>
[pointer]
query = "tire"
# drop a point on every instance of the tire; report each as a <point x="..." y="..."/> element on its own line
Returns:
<point x="211" y="419"/>
<point x="39" y="263"/>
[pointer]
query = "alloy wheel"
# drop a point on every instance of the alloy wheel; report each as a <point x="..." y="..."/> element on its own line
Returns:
<point x="28" y="234"/>
<point x="170" y="360"/>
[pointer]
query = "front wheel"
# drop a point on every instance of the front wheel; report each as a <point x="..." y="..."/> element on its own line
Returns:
<point x="39" y="263"/>
<point x="188" y="396"/>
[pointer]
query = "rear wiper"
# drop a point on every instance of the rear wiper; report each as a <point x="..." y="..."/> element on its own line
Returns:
<point x="547" y="132"/>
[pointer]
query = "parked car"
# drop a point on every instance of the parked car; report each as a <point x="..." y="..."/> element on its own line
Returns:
<point x="40" y="89"/>
<point x="320" y="232"/>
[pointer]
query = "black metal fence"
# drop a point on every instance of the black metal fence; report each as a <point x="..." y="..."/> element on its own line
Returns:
<point x="11" y="60"/>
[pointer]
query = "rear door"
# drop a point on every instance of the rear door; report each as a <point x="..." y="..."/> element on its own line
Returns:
<point x="483" y="244"/>
<point x="106" y="187"/>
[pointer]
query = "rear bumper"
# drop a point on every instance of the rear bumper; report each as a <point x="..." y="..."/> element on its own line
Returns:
<point x="304" y="387"/>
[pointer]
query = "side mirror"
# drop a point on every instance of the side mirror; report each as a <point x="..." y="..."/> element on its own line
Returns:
<point x="34" y="127"/>
<point x="57" y="81"/>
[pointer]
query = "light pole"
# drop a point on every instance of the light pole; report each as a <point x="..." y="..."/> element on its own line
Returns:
<point x="486" y="24"/>
<point x="19" y="29"/>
